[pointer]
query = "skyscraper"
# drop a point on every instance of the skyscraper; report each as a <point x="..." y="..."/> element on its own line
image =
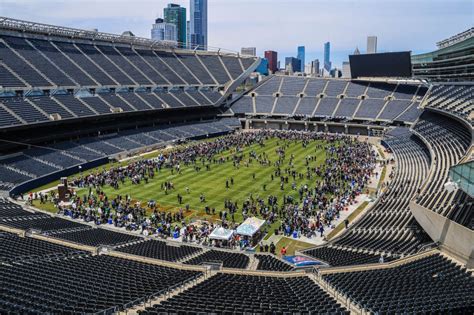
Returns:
<point x="371" y="44"/>
<point x="198" y="23"/>
<point x="272" y="57"/>
<point x="346" y="69"/>
<point x="292" y="64"/>
<point x="176" y="15"/>
<point x="163" y="31"/>
<point x="301" y="57"/>
<point x="327" y="56"/>
<point x="315" y="67"/>
<point x="249" y="51"/>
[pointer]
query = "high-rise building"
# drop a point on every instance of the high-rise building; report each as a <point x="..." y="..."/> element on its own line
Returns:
<point x="292" y="64"/>
<point x="188" y="34"/>
<point x="371" y="44"/>
<point x="346" y="69"/>
<point x="249" y="51"/>
<point x="327" y="56"/>
<point x="198" y="24"/>
<point x="356" y="51"/>
<point x="163" y="31"/>
<point x="262" y="67"/>
<point x="315" y="67"/>
<point x="301" y="57"/>
<point x="272" y="57"/>
<point x="175" y="14"/>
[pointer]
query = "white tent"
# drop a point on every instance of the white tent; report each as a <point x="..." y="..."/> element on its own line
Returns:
<point x="250" y="226"/>
<point x="220" y="233"/>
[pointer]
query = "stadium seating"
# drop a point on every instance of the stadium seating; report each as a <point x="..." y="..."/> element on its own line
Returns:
<point x="347" y="107"/>
<point x="369" y="108"/>
<point x="215" y="67"/>
<point x="23" y="69"/>
<point x="456" y="99"/>
<point x="326" y="106"/>
<point x="244" y="105"/>
<point x="393" y="109"/>
<point x="233" y="66"/>
<point x="389" y="228"/>
<point x="228" y="259"/>
<point x="15" y="248"/>
<point x="449" y="141"/>
<point x="306" y="106"/>
<point x="38" y="162"/>
<point x="271" y="263"/>
<point x="84" y="284"/>
<point x="335" y="87"/>
<point x="239" y="294"/>
<point x="264" y="104"/>
<point x="285" y="105"/>
<point x="292" y="86"/>
<point x="298" y="96"/>
<point x="45" y="63"/>
<point x="9" y="210"/>
<point x="335" y="256"/>
<point x="23" y="109"/>
<point x="42" y="223"/>
<point x="95" y="237"/>
<point x="160" y="250"/>
<point x="428" y="285"/>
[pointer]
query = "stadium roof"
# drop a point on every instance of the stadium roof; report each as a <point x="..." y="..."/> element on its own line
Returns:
<point x="456" y="38"/>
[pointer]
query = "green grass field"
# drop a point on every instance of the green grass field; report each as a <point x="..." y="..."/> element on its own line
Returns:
<point x="212" y="183"/>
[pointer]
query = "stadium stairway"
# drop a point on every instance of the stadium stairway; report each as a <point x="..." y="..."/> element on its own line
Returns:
<point x="169" y="294"/>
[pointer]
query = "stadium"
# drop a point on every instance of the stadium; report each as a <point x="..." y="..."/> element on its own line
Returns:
<point x="138" y="177"/>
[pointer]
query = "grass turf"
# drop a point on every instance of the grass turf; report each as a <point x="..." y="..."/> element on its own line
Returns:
<point x="212" y="183"/>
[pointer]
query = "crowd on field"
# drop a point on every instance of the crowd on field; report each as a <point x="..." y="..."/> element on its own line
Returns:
<point x="330" y="188"/>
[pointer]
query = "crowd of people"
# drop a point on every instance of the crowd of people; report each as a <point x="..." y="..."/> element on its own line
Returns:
<point x="330" y="187"/>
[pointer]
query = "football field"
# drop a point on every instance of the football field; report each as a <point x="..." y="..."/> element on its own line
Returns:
<point x="249" y="179"/>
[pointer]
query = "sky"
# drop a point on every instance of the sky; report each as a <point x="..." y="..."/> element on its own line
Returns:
<point x="279" y="25"/>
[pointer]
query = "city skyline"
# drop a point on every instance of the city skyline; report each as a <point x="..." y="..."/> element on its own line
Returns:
<point x="399" y="25"/>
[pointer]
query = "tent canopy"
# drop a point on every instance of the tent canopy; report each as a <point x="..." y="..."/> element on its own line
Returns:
<point x="221" y="234"/>
<point x="250" y="226"/>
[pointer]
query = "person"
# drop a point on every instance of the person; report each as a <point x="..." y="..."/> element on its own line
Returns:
<point x="187" y="190"/>
<point x="381" y="259"/>
<point x="283" y="251"/>
<point x="266" y="248"/>
<point x="346" y="222"/>
<point x="272" y="248"/>
<point x="321" y="230"/>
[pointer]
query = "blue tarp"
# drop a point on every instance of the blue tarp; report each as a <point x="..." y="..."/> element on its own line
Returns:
<point x="300" y="261"/>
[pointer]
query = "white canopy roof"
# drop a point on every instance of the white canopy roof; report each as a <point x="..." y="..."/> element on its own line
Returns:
<point x="220" y="233"/>
<point x="250" y="226"/>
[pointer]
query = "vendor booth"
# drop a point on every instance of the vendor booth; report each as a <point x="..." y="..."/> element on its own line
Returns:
<point x="221" y="233"/>
<point x="250" y="230"/>
<point x="221" y="236"/>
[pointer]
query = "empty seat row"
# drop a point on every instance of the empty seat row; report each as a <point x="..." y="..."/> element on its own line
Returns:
<point x="83" y="284"/>
<point x="238" y="294"/>
<point x="44" y="63"/>
<point x="160" y="250"/>
<point x="428" y="285"/>
<point x="37" y="162"/>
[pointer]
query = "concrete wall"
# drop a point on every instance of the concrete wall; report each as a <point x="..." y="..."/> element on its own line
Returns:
<point x="455" y="239"/>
